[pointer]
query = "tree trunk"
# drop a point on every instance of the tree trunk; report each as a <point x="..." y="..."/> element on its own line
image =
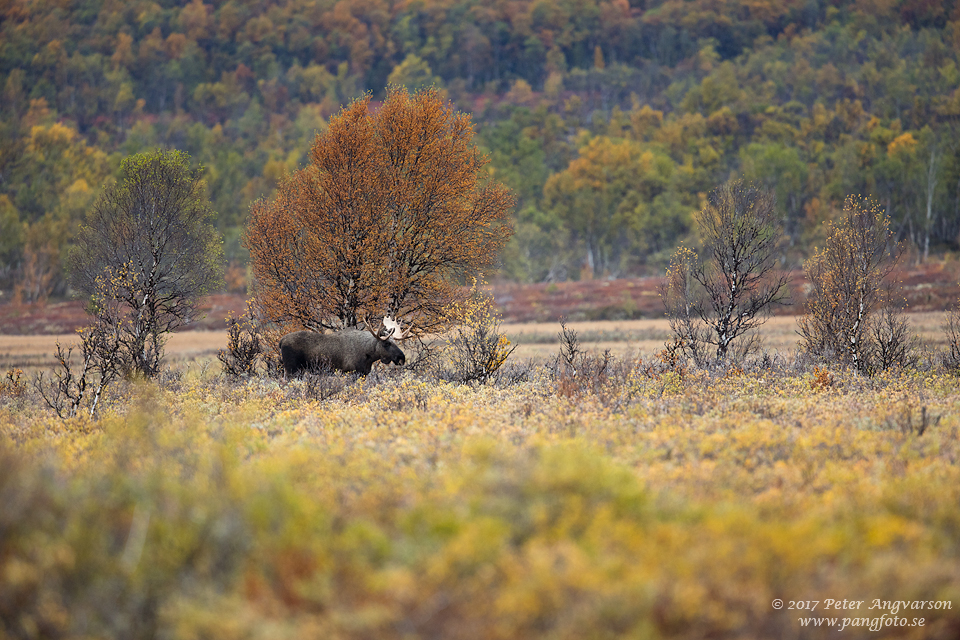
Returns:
<point x="931" y="189"/>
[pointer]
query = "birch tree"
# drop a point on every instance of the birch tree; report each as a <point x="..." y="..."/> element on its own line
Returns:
<point x="149" y="238"/>
<point x="848" y="278"/>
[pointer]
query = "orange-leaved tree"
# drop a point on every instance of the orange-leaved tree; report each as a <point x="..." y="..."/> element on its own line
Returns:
<point x="392" y="212"/>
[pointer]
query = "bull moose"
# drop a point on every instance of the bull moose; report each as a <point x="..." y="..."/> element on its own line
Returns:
<point x="348" y="350"/>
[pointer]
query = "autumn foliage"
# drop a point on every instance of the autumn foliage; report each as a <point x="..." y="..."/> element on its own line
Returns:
<point x="390" y="213"/>
<point x="848" y="279"/>
<point x="608" y="119"/>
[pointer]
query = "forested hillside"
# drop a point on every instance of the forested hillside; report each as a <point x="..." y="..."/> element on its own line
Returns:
<point x="610" y="120"/>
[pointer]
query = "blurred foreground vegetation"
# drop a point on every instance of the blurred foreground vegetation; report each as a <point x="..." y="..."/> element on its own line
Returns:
<point x="632" y="500"/>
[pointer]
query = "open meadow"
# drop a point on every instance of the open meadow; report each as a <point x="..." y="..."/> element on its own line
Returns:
<point x="533" y="340"/>
<point x="641" y="500"/>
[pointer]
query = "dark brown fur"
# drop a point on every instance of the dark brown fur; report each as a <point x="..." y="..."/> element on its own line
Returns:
<point x="348" y="350"/>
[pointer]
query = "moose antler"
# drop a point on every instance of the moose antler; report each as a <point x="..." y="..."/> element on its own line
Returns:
<point x="393" y="330"/>
<point x="375" y="334"/>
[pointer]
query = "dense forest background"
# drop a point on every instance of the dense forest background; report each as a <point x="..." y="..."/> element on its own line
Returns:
<point x="611" y="120"/>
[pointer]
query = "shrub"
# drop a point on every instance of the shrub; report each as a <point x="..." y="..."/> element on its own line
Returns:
<point x="893" y="345"/>
<point x="682" y="303"/>
<point x="13" y="385"/>
<point x="951" y="327"/>
<point x="476" y="347"/>
<point x="571" y="354"/>
<point x="102" y="360"/>
<point x="244" y="345"/>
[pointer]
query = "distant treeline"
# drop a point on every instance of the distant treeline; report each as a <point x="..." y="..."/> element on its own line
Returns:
<point x="610" y="120"/>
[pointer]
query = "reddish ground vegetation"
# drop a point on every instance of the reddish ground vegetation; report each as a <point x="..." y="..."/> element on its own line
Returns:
<point x="933" y="286"/>
<point x="928" y="287"/>
<point x="57" y="317"/>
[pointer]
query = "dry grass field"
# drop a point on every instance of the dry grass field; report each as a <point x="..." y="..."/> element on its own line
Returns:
<point x="534" y="340"/>
<point x="646" y="337"/>
<point x="37" y="351"/>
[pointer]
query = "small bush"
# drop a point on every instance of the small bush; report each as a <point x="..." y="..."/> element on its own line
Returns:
<point x="571" y="353"/>
<point x="244" y="346"/>
<point x="477" y="348"/>
<point x="102" y="360"/>
<point x="893" y="345"/>
<point x="822" y="379"/>
<point x="424" y="356"/>
<point x="325" y="384"/>
<point x="951" y="326"/>
<point x="590" y="375"/>
<point x="905" y="423"/>
<point x="514" y="373"/>
<point x="12" y="386"/>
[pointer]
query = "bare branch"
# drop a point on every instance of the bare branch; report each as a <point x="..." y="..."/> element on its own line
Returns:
<point x="740" y="276"/>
